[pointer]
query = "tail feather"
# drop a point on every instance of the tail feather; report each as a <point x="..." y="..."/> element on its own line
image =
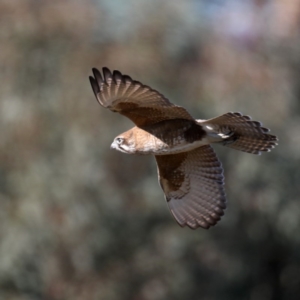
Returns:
<point x="240" y="132"/>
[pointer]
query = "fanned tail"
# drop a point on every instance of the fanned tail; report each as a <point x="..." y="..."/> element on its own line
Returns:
<point x="239" y="132"/>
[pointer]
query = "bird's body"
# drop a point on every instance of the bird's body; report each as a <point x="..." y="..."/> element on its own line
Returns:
<point x="190" y="173"/>
<point x="166" y="137"/>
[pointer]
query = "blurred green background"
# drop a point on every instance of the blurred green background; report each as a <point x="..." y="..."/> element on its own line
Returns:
<point x="80" y="221"/>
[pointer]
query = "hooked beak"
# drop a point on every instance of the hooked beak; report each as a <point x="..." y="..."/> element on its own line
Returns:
<point x="113" y="146"/>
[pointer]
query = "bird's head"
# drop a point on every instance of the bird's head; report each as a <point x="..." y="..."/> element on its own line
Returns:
<point x="124" y="142"/>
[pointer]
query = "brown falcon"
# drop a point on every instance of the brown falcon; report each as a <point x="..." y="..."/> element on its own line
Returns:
<point x="189" y="171"/>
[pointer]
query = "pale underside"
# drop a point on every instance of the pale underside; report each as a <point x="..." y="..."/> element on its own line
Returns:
<point x="164" y="138"/>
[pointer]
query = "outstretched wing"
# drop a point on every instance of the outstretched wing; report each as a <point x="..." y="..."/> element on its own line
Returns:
<point x="193" y="184"/>
<point x="141" y="104"/>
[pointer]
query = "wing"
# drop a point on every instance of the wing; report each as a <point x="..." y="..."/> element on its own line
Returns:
<point x="193" y="184"/>
<point x="136" y="101"/>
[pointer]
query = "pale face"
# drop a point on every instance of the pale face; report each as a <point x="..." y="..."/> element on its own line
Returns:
<point x="123" y="144"/>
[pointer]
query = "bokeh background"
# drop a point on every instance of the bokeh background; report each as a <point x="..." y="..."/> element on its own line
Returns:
<point x="80" y="221"/>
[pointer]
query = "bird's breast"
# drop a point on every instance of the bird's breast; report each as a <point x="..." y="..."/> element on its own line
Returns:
<point x="170" y="137"/>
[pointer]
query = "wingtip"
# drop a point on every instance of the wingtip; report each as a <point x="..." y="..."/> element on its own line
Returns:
<point x="95" y="86"/>
<point x="106" y="73"/>
<point x="105" y="69"/>
<point x="117" y="76"/>
<point x="97" y="75"/>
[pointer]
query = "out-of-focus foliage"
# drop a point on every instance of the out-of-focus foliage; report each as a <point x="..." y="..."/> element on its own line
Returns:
<point x="79" y="221"/>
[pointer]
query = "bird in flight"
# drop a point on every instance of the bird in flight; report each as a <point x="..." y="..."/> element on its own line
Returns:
<point x="189" y="172"/>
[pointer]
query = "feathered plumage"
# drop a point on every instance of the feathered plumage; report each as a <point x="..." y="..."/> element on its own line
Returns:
<point x="189" y="171"/>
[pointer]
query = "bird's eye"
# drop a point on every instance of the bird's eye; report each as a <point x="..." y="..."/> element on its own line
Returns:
<point x="119" y="140"/>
